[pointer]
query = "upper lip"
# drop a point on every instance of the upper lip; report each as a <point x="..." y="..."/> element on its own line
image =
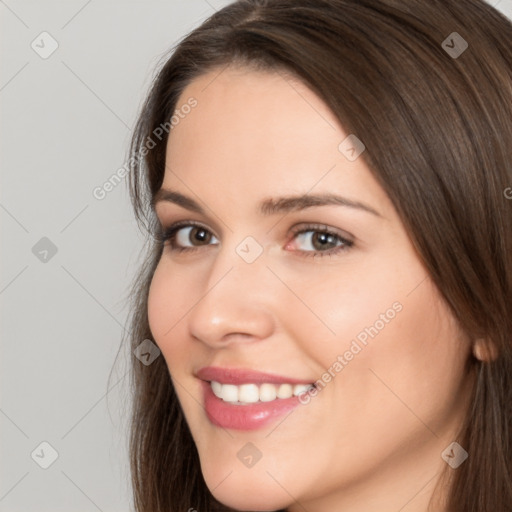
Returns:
<point x="244" y="376"/>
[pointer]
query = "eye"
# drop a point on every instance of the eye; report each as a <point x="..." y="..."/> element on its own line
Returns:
<point x="311" y="240"/>
<point x="196" y="235"/>
<point x="319" y="240"/>
<point x="186" y="236"/>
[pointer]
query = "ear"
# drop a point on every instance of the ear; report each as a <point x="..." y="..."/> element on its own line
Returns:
<point x="484" y="350"/>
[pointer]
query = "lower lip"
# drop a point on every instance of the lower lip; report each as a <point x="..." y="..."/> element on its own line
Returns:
<point x="244" y="417"/>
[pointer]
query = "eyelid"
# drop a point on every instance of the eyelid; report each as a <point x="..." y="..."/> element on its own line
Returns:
<point x="297" y="229"/>
<point x="312" y="226"/>
<point x="167" y="232"/>
<point x="165" y="218"/>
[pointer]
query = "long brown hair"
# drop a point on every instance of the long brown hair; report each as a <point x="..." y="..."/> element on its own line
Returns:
<point x="436" y="119"/>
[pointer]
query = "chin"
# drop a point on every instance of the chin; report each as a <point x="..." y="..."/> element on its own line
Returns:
<point x="247" y="492"/>
<point x="251" y="501"/>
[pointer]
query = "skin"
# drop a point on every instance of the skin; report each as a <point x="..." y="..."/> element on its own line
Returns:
<point x="372" y="438"/>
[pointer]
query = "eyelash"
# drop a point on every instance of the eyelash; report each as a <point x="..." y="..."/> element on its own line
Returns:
<point x="169" y="234"/>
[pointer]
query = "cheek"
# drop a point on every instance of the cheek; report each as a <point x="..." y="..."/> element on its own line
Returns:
<point x="159" y="311"/>
<point x="167" y="309"/>
<point x="334" y="305"/>
<point x="422" y="355"/>
<point x="392" y="353"/>
<point x="405" y="381"/>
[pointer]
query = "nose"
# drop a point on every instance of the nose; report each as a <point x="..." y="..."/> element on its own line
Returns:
<point x="236" y="303"/>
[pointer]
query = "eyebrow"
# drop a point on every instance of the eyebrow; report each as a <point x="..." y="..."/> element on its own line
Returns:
<point x="270" y="206"/>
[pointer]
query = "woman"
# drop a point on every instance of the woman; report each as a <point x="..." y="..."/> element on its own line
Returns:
<point x="330" y="277"/>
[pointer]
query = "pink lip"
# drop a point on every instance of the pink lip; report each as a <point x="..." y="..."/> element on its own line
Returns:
<point x="241" y="376"/>
<point x="244" y="417"/>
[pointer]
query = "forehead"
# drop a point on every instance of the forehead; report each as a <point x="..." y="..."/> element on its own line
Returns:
<point x="244" y="117"/>
<point x="252" y="133"/>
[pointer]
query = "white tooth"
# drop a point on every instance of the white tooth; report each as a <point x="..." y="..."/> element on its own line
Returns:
<point x="299" y="388"/>
<point x="229" y="393"/>
<point x="267" y="392"/>
<point x="248" y="393"/>
<point x="285" y="391"/>
<point x="251" y="393"/>
<point x="216" y="388"/>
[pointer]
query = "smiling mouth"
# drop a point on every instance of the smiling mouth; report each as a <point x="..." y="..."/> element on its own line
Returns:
<point x="252" y="393"/>
<point x="247" y="399"/>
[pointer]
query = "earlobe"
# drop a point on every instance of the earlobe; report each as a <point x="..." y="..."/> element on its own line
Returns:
<point x="484" y="350"/>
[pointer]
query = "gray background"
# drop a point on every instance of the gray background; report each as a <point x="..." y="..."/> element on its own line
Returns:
<point x="64" y="130"/>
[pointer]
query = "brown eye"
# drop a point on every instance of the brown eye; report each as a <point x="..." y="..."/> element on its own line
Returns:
<point x="192" y="236"/>
<point x="321" y="241"/>
<point x="315" y="240"/>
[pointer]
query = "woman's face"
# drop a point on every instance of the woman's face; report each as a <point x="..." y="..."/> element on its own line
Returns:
<point x="307" y="290"/>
